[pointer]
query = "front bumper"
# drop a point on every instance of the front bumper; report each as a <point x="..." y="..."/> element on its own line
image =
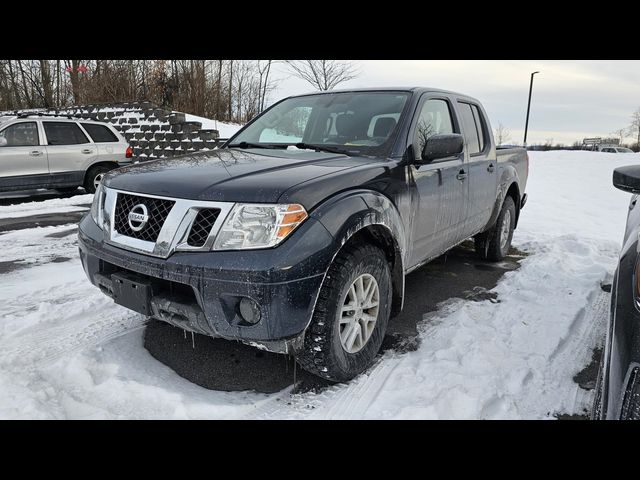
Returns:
<point x="201" y="291"/>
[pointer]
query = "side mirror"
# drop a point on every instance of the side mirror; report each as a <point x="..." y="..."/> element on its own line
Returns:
<point x="3" y="142"/>
<point x="442" y="146"/>
<point x="627" y="178"/>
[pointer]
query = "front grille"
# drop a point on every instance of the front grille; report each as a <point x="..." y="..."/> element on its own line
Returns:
<point x="202" y="226"/>
<point x="157" y="209"/>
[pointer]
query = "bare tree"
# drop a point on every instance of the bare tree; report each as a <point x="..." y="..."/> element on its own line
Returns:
<point x="634" y="127"/>
<point x="502" y="134"/>
<point x="263" y="81"/>
<point x="229" y="90"/>
<point x="230" y="113"/>
<point x="621" y="133"/>
<point x="323" y="74"/>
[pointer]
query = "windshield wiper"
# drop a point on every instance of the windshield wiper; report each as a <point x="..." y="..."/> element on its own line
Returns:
<point x="253" y="145"/>
<point x="321" y="148"/>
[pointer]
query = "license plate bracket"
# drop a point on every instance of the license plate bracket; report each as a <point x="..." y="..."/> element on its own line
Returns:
<point x="132" y="291"/>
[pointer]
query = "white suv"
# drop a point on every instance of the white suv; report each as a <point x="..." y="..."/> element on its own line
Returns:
<point x="63" y="153"/>
<point x="615" y="150"/>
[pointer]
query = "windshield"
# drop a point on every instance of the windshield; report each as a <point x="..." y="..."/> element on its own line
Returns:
<point x="353" y="122"/>
<point x="625" y="150"/>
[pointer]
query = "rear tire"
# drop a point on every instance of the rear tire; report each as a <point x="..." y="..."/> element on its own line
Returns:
<point x="94" y="176"/>
<point x="494" y="244"/>
<point x="330" y="351"/>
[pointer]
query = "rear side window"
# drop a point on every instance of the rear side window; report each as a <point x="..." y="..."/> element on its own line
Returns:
<point x="64" y="133"/>
<point x="470" y="130"/>
<point x="477" y="116"/>
<point x="99" y="133"/>
<point x="23" y="134"/>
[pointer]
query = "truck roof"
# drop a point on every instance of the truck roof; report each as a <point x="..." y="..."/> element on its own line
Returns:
<point x="414" y="89"/>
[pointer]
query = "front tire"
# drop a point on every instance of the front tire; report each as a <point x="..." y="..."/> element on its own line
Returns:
<point x="351" y="315"/>
<point x="495" y="244"/>
<point x="94" y="177"/>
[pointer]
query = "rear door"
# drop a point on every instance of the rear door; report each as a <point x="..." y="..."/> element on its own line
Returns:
<point x="440" y="193"/>
<point x="23" y="160"/>
<point x="70" y="150"/>
<point x="109" y="147"/>
<point x="483" y="177"/>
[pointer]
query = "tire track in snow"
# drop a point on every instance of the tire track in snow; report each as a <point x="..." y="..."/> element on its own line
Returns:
<point x="352" y="400"/>
<point x="45" y="342"/>
<point x="52" y="318"/>
<point x="342" y="401"/>
<point x="587" y="329"/>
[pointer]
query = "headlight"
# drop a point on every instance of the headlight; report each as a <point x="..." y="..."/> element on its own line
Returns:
<point x="97" y="206"/>
<point x="258" y="226"/>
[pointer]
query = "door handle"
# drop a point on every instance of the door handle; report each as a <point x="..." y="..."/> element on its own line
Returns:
<point x="461" y="175"/>
<point x="87" y="151"/>
<point x="35" y="153"/>
<point x="491" y="168"/>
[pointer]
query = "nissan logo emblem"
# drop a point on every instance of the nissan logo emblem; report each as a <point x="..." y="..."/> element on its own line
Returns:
<point x="138" y="217"/>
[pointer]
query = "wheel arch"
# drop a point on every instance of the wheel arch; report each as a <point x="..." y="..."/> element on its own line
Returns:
<point x="509" y="188"/>
<point x="107" y="163"/>
<point x="369" y="217"/>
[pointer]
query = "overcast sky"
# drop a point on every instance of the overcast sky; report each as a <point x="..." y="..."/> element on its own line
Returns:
<point x="571" y="99"/>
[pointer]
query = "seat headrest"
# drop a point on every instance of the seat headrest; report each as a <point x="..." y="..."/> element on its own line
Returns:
<point x="345" y="124"/>
<point x="384" y="126"/>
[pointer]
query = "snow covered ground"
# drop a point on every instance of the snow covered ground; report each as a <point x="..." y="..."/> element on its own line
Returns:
<point x="66" y="351"/>
<point x="61" y="205"/>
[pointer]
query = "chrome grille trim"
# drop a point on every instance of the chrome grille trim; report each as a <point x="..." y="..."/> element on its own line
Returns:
<point x="175" y="230"/>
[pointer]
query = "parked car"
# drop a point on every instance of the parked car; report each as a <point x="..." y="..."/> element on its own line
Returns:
<point x="296" y="235"/>
<point x="618" y="385"/>
<point x="58" y="152"/>
<point x="615" y="150"/>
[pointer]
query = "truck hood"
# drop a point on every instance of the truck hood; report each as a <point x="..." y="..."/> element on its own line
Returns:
<point x="229" y="175"/>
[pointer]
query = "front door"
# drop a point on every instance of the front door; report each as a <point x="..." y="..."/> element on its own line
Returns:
<point x="69" y="149"/>
<point x="23" y="161"/>
<point x="441" y="187"/>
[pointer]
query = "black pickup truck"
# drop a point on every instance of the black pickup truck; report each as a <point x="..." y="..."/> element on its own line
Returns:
<point x="296" y="235"/>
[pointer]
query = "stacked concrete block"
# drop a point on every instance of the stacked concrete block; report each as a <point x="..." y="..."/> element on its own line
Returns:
<point x="152" y="131"/>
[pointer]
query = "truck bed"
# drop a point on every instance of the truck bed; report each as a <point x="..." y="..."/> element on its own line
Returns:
<point x="517" y="158"/>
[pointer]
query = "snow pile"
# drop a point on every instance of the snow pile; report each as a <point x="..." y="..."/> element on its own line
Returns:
<point x="56" y="205"/>
<point x="67" y="351"/>
<point x="225" y="130"/>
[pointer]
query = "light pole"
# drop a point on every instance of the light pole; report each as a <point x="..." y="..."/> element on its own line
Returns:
<point x="526" y="125"/>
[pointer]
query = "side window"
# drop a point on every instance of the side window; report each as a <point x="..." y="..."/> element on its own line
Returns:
<point x="469" y="128"/>
<point x="477" y="116"/>
<point x="99" y="133"/>
<point x="23" y="134"/>
<point x="64" y="133"/>
<point x="434" y="119"/>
